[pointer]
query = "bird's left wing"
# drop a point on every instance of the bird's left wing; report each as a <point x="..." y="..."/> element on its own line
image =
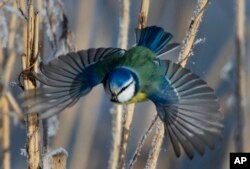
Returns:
<point x="65" y="79"/>
<point x="189" y="110"/>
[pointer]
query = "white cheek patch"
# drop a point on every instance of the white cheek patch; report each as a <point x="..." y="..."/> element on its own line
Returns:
<point x="127" y="94"/>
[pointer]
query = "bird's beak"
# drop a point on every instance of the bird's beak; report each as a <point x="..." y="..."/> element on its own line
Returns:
<point x="113" y="97"/>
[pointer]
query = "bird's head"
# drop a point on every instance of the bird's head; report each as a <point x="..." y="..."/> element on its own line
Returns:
<point x="121" y="85"/>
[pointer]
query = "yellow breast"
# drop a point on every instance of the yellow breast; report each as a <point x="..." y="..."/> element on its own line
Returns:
<point x="139" y="97"/>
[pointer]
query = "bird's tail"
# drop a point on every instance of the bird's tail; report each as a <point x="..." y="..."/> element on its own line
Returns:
<point x="154" y="38"/>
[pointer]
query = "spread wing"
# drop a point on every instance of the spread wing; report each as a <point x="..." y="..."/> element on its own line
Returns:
<point x="190" y="111"/>
<point x="65" y="79"/>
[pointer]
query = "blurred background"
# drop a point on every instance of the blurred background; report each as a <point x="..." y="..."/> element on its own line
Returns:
<point x="85" y="130"/>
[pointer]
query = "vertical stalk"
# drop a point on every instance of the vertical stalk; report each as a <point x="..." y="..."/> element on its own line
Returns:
<point x="33" y="140"/>
<point x="119" y="144"/>
<point x="129" y="109"/>
<point x="116" y="130"/>
<point x="6" y="133"/>
<point x="185" y="53"/>
<point x="240" y="82"/>
<point x="7" y="71"/>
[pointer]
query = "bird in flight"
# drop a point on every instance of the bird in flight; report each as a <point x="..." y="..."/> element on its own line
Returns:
<point x="186" y="105"/>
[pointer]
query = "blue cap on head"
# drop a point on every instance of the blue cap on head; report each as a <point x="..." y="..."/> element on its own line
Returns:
<point x="121" y="84"/>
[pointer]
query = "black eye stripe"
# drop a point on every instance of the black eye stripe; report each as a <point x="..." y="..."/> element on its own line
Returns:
<point x="124" y="88"/>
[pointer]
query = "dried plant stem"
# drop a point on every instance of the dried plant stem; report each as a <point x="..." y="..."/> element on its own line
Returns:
<point x="129" y="109"/>
<point x="119" y="144"/>
<point x="5" y="133"/>
<point x="127" y="120"/>
<point x="156" y="147"/>
<point x="33" y="141"/>
<point x="143" y="15"/>
<point x="3" y="100"/>
<point x="55" y="159"/>
<point x="124" y="24"/>
<point x="14" y="105"/>
<point x="240" y="83"/>
<point x="141" y="142"/>
<point x="183" y="57"/>
<point x="117" y="130"/>
<point x="11" y="50"/>
<point x="189" y="40"/>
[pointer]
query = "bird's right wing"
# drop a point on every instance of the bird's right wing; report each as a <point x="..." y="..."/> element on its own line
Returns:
<point x="189" y="110"/>
<point x="65" y="79"/>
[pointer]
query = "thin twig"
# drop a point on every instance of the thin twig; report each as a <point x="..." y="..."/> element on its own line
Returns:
<point x="188" y="43"/>
<point x="183" y="57"/>
<point x="141" y="143"/>
<point x="240" y="82"/>
<point x="14" y="105"/>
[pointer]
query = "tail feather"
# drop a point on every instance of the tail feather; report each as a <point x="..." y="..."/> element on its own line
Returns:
<point x="154" y="38"/>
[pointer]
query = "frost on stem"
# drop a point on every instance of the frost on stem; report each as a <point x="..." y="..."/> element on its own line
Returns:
<point x="53" y="125"/>
<point x="199" y="41"/>
<point x="23" y="152"/>
<point x="228" y="71"/>
<point x="189" y="41"/>
<point x="55" y="159"/>
<point x="3" y="30"/>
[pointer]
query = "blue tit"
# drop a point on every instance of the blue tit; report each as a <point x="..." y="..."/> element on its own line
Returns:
<point x="186" y="105"/>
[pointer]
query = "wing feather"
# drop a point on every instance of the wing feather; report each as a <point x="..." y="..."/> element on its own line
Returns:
<point x="67" y="78"/>
<point x="191" y="115"/>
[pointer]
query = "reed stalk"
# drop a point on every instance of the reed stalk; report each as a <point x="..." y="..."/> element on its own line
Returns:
<point x="187" y="48"/>
<point x="30" y="63"/>
<point x="5" y="106"/>
<point x="129" y="109"/>
<point x="241" y="80"/>
<point x="119" y="137"/>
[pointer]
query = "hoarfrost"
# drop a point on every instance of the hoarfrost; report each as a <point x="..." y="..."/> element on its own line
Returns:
<point x="48" y="157"/>
<point x="227" y="72"/>
<point x="53" y="125"/>
<point x="23" y="152"/>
